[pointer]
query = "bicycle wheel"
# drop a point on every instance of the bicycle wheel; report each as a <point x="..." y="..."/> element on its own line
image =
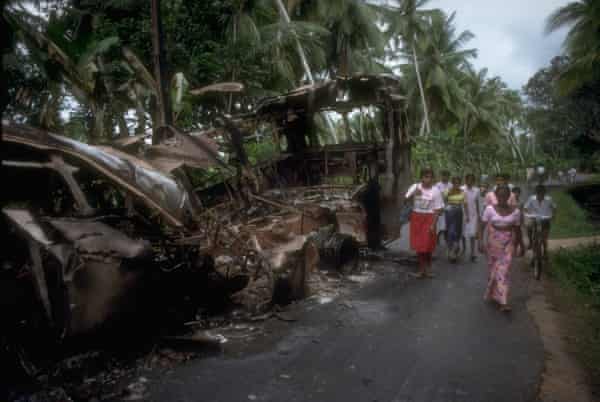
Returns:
<point x="538" y="261"/>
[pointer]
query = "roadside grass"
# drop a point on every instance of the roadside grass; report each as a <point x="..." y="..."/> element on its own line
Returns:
<point x="577" y="274"/>
<point x="571" y="219"/>
<point x="593" y="179"/>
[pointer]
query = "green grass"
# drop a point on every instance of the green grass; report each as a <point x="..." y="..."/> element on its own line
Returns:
<point x="595" y="178"/>
<point x="571" y="220"/>
<point x="577" y="272"/>
<point x="579" y="268"/>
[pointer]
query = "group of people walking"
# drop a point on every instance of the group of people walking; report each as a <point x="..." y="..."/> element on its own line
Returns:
<point x="457" y="211"/>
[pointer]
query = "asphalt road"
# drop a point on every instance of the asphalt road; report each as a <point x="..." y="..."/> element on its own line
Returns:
<point x="396" y="339"/>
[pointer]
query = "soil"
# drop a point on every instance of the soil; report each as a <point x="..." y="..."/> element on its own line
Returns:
<point x="563" y="379"/>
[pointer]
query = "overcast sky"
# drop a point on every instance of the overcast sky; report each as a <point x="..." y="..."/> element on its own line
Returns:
<point x="509" y="34"/>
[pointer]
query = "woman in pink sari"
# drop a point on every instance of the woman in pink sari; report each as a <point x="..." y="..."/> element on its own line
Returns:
<point x="503" y="237"/>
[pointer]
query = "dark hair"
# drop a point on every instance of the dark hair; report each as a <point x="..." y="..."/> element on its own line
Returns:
<point x="502" y="188"/>
<point x="539" y="188"/>
<point x="470" y="176"/>
<point x="426" y="171"/>
<point x="516" y="189"/>
<point x="456" y="178"/>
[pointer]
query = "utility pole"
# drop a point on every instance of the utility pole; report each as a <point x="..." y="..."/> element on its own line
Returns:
<point x="163" y="103"/>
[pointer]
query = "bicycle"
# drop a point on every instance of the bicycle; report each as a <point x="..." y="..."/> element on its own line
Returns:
<point x="537" y="238"/>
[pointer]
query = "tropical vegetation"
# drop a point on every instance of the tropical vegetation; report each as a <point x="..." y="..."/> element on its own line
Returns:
<point x="86" y="69"/>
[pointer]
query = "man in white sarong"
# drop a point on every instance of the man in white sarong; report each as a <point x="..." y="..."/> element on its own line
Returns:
<point x="444" y="186"/>
<point x="472" y="197"/>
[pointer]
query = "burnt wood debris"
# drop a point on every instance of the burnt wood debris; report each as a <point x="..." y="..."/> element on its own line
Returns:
<point x="98" y="234"/>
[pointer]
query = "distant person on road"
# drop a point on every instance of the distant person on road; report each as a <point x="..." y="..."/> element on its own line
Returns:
<point x="540" y="173"/>
<point x="484" y="189"/>
<point x="444" y="186"/>
<point x="516" y="192"/>
<point x="530" y="174"/>
<point x="503" y="236"/>
<point x="455" y="212"/>
<point x="501" y="180"/>
<point x="427" y="207"/>
<point x="561" y="176"/>
<point x="572" y="175"/>
<point x="542" y="205"/>
<point x="472" y="195"/>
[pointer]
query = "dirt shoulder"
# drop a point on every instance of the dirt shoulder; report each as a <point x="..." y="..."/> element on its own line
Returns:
<point x="564" y="378"/>
<point x="555" y="244"/>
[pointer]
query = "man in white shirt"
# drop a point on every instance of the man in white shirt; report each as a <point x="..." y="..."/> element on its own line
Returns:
<point x="472" y="199"/>
<point x="443" y="186"/>
<point x="542" y="205"/>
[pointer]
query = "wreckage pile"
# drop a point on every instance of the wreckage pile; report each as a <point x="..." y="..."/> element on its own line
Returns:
<point x="94" y="232"/>
<point x="283" y="239"/>
<point x="98" y="234"/>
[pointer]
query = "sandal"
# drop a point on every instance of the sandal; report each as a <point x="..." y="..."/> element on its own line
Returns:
<point x="505" y="308"/>
<point x="418" y="275"/>
<point x="429" y="275"/>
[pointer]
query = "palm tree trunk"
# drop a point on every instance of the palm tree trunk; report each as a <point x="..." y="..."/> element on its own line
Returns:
<point x="425" y="111"/>
<point x="160" y="73"/>
<point x="235" y="32"/>
<point x="305" y="66"/>
<point x="423" y="125"/>
<point x="286" y="18"/>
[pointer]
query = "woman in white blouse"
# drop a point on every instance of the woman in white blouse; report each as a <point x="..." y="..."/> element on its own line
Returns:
<point x="427" y="206"/>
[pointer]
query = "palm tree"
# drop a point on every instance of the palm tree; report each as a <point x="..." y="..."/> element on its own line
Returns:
<point x="354" y="43"/>
<point x="78" y="64"/>
<point x="443" y="61"/>
<point x="582" y="43"/>
<point x="355" y="39"/>
<point x="408" y="27"/>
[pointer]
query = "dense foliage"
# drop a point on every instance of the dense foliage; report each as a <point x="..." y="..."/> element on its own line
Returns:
<point x="563" y="99"/>
<point x="85" y="68"/>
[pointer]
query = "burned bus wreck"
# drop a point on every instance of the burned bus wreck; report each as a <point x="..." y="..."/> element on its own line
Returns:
<point x="87" y="229"/>
<point x="94" y="232"/>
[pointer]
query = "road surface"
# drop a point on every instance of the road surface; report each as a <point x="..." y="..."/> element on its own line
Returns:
<point x="396" y="339"/>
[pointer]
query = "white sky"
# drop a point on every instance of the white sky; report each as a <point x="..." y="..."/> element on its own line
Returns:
<point x="509" y="34"/>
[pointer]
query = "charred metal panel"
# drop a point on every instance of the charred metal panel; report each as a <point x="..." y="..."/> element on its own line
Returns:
<point x="158" y="190"/>
<point x="101" y="240"/>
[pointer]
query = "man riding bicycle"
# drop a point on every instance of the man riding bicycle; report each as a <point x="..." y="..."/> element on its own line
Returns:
<point x="543" y="207"/>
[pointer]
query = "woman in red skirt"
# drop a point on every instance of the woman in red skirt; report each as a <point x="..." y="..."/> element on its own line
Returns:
<point x="428" y="203"/>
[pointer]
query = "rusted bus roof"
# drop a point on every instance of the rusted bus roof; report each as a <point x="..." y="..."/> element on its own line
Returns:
<point x="196" y="149"/>
<point x="341" y="93"/>
<point x="348" y="147"/>
<point x="156" y="189"/>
